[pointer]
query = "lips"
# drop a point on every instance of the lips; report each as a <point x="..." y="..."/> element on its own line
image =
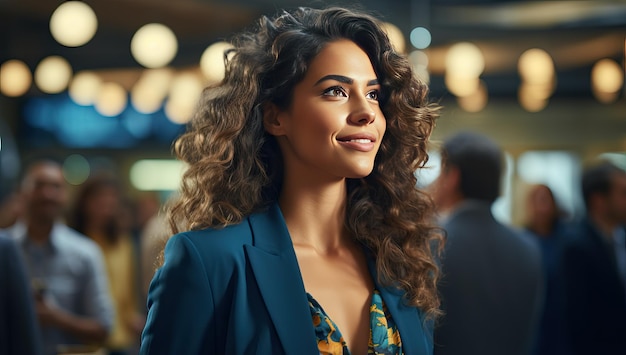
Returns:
<point x="363" y="142"/>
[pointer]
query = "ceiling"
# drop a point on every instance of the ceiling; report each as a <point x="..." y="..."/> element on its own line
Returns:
<point x="575" y="33"/>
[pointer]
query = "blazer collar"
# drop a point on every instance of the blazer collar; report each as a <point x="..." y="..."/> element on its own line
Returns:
<point x="275" y="267"/>
<point x="414" y="331"/>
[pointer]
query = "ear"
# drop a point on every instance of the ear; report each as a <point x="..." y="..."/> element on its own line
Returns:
<point x="272" y="121"/>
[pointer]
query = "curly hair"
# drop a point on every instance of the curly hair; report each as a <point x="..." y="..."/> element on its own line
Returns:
<point x="235" y="167"/>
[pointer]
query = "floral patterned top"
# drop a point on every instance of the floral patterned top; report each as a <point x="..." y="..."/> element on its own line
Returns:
<point x="384" y="334"/>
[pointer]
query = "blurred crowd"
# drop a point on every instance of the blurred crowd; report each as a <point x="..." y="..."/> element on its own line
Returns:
<point x="75" y="267"/>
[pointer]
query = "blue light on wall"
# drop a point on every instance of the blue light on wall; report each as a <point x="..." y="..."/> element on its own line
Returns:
<point x="56" y="119"/>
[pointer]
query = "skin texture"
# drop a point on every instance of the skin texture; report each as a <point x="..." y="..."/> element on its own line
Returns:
<point x="336" y="100"/>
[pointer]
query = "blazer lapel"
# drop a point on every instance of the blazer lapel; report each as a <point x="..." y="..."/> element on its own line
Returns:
<point x="276" y="270"/>
<point x="415" y="339"/>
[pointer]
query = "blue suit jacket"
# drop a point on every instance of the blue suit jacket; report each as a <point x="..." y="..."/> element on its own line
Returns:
<point x="238" y="290"/>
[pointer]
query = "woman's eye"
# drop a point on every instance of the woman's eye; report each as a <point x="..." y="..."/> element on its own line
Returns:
<point x="334" y="91"/>
<point x="373" y="95"/>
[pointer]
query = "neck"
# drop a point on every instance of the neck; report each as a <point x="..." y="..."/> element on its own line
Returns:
<point x="39" y="230"/>
<point x="315" y="214"/>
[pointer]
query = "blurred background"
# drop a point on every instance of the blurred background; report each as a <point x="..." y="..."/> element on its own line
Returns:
<point x="109" y="84"/>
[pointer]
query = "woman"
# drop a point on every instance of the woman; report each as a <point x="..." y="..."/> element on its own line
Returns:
<point x="545" y="224"/>
<point x="307" y="233"/>
<point x="96" y="214"/>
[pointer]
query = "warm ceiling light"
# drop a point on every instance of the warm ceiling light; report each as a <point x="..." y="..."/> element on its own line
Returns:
<point x="154" y="45"/>
<point x="184" y="95"/>
<point x="395" y="36"/>
<point x="73" y="23"/>
<point x="535" y="66"/>
<point x="148" y="93"/>
<point x="461" y="86"/>
<point x="111" y="100"/>
<point x="465" y="60"/>
<point x="85" y="87"/>
<point x="53" y="74"/>
<point x="212" y="62"/>
<point x="476" y="101"/>
<point x="607" y="76"/>
<point x="529" y="100"/>
<point x="15" y="78"/>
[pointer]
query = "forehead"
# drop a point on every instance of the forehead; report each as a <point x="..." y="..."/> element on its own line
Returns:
<point x="341" y="57"/>
<point x="45" y="172"/>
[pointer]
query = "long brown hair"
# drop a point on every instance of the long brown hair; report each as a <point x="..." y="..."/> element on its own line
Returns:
<point x="235" y="167"/>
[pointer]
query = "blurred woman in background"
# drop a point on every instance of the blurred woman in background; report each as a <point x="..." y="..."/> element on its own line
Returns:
<point x="97" y="214"/>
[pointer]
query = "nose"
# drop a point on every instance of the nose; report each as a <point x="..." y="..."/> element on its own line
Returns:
<point x="362" y="113"/>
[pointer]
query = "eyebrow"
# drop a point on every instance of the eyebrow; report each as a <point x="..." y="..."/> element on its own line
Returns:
<point x="343" y="79"/>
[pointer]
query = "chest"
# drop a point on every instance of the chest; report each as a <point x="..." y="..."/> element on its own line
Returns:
<point x="343" y="288"/>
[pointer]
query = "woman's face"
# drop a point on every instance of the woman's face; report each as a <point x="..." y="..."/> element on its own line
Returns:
<point x="334" y="125"/>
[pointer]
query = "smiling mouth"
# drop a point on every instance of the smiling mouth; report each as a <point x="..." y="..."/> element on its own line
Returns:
<point x="358" y="144"/>
<point x="358" y="140"/>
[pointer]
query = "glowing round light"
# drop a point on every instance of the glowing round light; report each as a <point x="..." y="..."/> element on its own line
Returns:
<point x="154" y="45"/>
<point x="419" y="62"/>
<point x="607" y="76"/>
<point x="76" y="169"/>
<point x="184" y="95"/>
<point x="53" y="74"/>
<point x="85" y="87"/>
<point x="111" y="100"/>
<point x="476" y="101"/>
<point x="395" y="36"/>
<point x="461" y="86"/>
<point x="148" y="93"/>
<point x="420" y="37"/>
<point x="535" y="66"/>
<point x="465" y="60"/>
<point x="529" y="100"/>
<point x="15" y="78"/>
<point x="212" y="62"/>
<point x="73" y="23"/>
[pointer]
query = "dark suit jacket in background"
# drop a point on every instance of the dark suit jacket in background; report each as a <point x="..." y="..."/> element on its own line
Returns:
<point x="491" y="286"/>
<point x="238" y="290"/>
<point x="19" y="334"/>
<point x="596" y="300"/>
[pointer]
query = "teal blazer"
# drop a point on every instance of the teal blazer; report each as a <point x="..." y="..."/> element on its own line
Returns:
<point x="238" y="290"/>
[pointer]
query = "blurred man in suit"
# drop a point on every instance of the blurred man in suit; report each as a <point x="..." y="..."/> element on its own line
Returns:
<point x="491" y="286"/>
<point x="18" y="325"/>
<point x="593" y="264"/>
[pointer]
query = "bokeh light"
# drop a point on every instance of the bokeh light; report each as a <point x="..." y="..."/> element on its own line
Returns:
<point x="73" y="23"/>
<point x="150" y="90"/>
<point x="15" y="78"/>
<point x="465" y="60"/>
<point x="156" y="174"/>
<point x="85" y="87"/>
<point x="607" y="76"/>
<point x="212" y="62"/>
<point x="76" y="169"/>
<point x="395" y="36"/>
<point x="420" y="38"/>
<point x="476" y="101"/>
<point x="53" y="74"/>
<point x="184" y="95"/>
<point x="154" y="45"/>
<point x="535" y="66"/>
<point x="111" y="100"/>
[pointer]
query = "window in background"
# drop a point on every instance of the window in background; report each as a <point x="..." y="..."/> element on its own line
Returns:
<point x="560" y="171"/>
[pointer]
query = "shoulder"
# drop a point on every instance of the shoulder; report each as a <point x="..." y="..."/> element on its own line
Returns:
<point x="73" y="244"/>
<point x="210" y="246"/>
